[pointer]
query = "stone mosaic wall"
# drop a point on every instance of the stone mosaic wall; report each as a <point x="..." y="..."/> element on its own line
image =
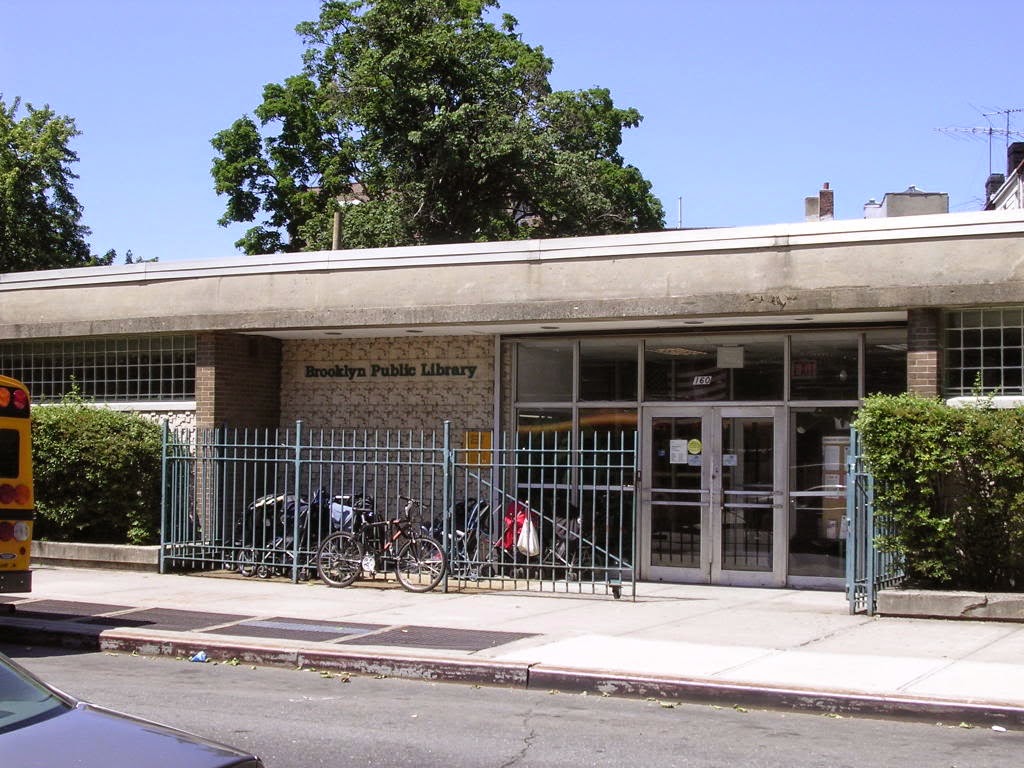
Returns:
<point x="176" y="420"/>
<point x="389" y="383"/>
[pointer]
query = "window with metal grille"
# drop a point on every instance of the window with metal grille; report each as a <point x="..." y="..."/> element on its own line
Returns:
<point x="116" y="369"/>
<point x="984" y="352"/>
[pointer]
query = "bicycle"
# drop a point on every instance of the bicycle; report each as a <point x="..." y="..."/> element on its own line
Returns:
<point x="468" y="542"/>
<point x="373" y="546"/>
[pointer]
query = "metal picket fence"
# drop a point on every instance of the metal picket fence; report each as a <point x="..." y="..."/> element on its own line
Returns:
<point x="869" y="569"/>
<point x="260" y="502"/>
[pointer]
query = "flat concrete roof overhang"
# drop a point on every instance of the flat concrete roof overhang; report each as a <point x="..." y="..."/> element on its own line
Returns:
<point x="856" y="270"/>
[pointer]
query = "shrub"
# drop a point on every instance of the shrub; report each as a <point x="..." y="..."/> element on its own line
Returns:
<point x="97" y="474"/>
<point x="952" y="479"/>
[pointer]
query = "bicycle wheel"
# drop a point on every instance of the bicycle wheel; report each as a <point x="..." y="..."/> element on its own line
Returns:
<point x="339" y="560"/>
<point x="246" y="563"/>
<point x="420" y="565"/>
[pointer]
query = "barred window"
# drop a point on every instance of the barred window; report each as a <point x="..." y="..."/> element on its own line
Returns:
<point x="984" y="349"/>
<point x="115" y="369"/>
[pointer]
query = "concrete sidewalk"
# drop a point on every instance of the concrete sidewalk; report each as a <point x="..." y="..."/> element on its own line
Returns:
<point x="730" y="646"/>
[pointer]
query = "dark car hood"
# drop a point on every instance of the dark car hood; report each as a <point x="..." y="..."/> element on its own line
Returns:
<point x="88" y="736"/>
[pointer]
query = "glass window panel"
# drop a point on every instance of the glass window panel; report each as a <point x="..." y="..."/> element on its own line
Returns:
<point x="543" y="442"/>
<point x="544" y="371"/>
<point x="102" y="369"/>
<point x="728" y="368"/>
<point x="824" y="367"/>
<point x="989" y="359"/>
<point x="971" y="319"/>
<point x="678" y="495"/>
<point x="606" y="482"/>
<point x="747" y="493"/>
<point x="762" y="376"/>
<point x="682" y="369"/>
<point x="991" y="338"/>
<point x="819" y="443"/>
<point x="885" y="362"/>
<point x="608" y="369"/>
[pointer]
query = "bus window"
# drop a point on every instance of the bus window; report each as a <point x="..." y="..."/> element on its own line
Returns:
<point x="16" y="492"/>
<point x="9" y="453"/>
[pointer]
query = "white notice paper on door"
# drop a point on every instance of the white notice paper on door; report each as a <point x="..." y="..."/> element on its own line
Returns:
<point x="677" y="451"/>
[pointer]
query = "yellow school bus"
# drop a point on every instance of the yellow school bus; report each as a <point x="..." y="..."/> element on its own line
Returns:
<point x="17" y="499"/>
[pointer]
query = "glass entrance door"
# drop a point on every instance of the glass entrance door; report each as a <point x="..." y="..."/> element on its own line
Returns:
<point x="712" y="506"/>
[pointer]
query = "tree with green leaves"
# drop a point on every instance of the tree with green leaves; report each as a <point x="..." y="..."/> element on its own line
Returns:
<point x="40" y="225"/>
<point x="423" y="122"/>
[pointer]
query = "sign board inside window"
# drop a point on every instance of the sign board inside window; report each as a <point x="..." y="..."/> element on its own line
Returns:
<point x="730" y="357"/>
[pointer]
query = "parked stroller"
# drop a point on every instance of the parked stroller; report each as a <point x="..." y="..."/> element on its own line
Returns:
<point x="272" y="551"/>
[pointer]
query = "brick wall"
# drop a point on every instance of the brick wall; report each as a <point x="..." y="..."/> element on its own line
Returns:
<point x="924" y="352"/>
<point x="396" y="394"/>
<point x="237" y="380"/>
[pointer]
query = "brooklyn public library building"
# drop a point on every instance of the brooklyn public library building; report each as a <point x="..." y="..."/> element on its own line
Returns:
<point x="737" y="356"/>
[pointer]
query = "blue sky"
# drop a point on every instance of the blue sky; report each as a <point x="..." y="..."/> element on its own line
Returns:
<point x="749" y="105"/>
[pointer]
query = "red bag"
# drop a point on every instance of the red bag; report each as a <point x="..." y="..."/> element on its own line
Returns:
<point x="515" y="515"/>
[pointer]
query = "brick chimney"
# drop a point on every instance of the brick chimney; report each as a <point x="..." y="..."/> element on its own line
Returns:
<point x="822" y="207"/>
<point x="992" y="185"/>
<point x="826" y="203"/>
<point x="1014" y="157"/>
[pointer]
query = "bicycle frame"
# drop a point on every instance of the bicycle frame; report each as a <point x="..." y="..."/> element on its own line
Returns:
<point x="418" y="561"/>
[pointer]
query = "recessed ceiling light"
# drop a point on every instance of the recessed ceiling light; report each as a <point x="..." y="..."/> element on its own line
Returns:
<point x="681" y="351"/>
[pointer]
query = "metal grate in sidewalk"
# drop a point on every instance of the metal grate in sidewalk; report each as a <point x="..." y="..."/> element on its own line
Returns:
<point x="441" y="637"/>
<point x="167" y="619"/>
<point x="63" y="610"/>
<point x="296" y="629"/>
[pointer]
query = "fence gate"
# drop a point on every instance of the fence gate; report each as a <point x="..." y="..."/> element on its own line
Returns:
<point x="260" y="502"/>
<point x="868" y="568"/>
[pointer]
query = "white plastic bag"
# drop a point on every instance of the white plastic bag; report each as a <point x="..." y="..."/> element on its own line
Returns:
<point x="528" y="542"/>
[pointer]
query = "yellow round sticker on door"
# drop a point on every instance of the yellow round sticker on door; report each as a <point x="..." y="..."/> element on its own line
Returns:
<point x="694" y="447"/>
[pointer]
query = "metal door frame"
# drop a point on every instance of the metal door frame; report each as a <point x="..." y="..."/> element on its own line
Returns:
<point x="710" y="570"/>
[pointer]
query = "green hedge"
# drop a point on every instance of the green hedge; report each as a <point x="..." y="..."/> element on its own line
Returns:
<point x="97" y="475"/>
<point x="953" y="481"/>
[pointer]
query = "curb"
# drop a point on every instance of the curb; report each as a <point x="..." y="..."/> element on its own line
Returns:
<point x="768" y="697"/>
<point x="521" y="675"/>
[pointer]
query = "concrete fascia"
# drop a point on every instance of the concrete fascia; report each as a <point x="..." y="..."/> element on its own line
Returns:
<point x="943" y="260"/>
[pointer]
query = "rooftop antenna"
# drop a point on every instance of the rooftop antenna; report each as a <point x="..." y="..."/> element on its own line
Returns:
<point x="990" y="131"/>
